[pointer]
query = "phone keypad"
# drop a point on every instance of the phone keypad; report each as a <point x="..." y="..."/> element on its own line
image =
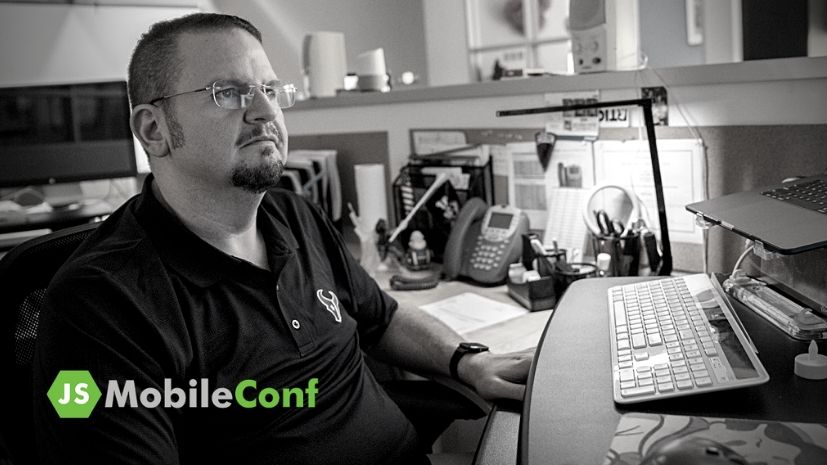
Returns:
<point x="487" y="256"/>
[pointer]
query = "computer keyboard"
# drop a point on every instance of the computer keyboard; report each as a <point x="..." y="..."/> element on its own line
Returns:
<point x="675" y="337"/>
<point x="811" y="195"/>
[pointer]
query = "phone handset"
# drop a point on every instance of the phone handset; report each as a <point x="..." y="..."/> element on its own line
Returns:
<point x="464" y="232"/>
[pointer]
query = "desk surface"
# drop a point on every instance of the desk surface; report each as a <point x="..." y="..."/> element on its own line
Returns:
<point x="56" y="219"/>
<point x="569" y="416"/>
<point x="509" y="336"/>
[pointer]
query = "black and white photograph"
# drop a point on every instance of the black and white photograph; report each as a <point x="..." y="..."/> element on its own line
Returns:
<point x="327" y="232"/>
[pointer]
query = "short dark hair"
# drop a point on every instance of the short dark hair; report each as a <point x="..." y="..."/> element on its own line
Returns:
<point x="154" y="66"/>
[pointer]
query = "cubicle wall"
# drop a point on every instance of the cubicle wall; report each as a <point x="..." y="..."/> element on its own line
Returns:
<point x="738" y="158"/>
<point x="352" y="148"/>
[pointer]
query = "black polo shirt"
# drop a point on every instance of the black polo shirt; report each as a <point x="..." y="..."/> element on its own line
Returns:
<point x="145" y="299"/>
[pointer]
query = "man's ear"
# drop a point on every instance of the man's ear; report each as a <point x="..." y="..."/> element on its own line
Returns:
<point x="146" y="122"/>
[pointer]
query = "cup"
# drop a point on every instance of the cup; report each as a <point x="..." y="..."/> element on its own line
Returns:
<point x="564" y="278"/>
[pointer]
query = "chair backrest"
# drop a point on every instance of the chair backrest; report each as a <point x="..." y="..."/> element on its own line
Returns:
<point x="25" y="273"/>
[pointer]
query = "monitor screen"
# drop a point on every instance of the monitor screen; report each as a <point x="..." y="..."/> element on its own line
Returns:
<point x="65" y="133"/>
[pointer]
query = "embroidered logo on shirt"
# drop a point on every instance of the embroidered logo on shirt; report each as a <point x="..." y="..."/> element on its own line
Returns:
<point x="330" y="303"/>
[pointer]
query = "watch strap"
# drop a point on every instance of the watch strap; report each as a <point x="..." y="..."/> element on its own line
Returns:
<point x="462" y="350"/>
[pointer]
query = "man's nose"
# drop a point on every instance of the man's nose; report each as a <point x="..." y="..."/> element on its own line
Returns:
<point x="260" y="109"/>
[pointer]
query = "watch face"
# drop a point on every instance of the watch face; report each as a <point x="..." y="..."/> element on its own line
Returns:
<point x="473" y="346"/>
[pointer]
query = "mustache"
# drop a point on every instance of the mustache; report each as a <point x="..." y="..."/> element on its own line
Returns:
<point x="264" y="131"/>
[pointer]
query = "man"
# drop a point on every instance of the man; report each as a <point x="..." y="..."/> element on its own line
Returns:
<point x="203" y="283"/>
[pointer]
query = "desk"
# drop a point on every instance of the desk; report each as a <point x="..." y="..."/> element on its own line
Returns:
<point x="509" y="336"/>
<point x="569" y="416"/>
<point x="57" y="219"/>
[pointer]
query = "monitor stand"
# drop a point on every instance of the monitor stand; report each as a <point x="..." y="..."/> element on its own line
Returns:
<point x="67" y="196"/>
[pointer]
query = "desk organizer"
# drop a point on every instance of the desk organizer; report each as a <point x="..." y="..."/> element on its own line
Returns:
<point x="534" y="295"/>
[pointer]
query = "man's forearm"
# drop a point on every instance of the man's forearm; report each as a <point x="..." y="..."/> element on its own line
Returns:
<point x="418" y="342"/>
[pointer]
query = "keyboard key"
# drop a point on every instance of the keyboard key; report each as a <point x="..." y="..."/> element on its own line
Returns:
<point x="638" y="391"/>
<point x="684" y="385"/>
<point x="646" y="381"/>
<point x="641" y="356"/>
<point x="702" y="382"/>
<point x="626" y="375"/>
<point x="666" y="387"/>
<point x="627" y="385"/>
<point x="638" y="341"/>
<point x="682" y="376"/>
<point x="620" y="313"/>
<point x="700" y="374"/>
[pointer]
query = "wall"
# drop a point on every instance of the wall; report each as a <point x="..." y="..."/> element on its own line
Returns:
<point x="663" y="34"/>
<point x="52" y="44"/>
<point x="446" y="41"/>
<point x="395" y="25"/>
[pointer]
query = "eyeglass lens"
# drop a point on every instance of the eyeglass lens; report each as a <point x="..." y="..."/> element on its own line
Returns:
<point x="233" y="96"/>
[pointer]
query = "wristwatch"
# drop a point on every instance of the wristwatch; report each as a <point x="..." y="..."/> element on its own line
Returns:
<point x="462" y="349"/>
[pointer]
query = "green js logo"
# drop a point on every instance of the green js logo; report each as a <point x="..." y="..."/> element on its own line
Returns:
<point x="74" y="394"/>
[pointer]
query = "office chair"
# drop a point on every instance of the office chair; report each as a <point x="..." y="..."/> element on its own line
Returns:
<point x="430" y="406"/>
<point x="25" y="272"/>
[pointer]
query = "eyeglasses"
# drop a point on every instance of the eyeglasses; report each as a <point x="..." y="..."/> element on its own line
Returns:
<point x="234" y="95"/>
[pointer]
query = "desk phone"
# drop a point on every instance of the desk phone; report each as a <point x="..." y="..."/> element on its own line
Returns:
<point x="484" y="241"/>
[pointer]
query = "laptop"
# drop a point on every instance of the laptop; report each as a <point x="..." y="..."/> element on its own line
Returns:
<point x="787" y="218"/>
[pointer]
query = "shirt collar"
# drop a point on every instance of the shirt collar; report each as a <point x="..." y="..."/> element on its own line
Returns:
<point x="192" y="257"/>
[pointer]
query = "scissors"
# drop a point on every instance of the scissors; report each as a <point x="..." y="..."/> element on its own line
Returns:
<point x="608" y="226"/>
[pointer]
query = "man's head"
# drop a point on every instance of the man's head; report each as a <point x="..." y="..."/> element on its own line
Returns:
<point x="191" y="140"/>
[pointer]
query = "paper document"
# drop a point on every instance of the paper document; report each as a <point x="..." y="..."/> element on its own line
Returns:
<point x="571" y="165"/>
<point x="565" y="218"/>
<point x="682" y="170"/>
<point x="468" y="311"/>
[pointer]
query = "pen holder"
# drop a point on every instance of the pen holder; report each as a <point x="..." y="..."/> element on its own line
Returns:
<point x="623" y="250"/>
<point x="544" y="264"/>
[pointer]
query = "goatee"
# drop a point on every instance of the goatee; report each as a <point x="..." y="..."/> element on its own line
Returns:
<point x="258" y="179"/>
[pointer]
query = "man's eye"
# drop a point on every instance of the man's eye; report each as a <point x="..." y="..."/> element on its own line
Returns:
<point x="228" y="92"/>
<point x="270" y="92"/>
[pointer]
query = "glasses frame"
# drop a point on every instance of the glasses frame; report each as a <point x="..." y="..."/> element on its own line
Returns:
<point x="281" y="87"/>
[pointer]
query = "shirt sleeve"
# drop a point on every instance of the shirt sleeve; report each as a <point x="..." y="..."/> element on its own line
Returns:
<point x="93" y="323"/>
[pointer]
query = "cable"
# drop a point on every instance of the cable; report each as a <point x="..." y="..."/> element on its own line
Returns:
<point x="741" y="259"/>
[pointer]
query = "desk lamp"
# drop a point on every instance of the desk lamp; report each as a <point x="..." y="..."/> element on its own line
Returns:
<point x="665" y="268"/>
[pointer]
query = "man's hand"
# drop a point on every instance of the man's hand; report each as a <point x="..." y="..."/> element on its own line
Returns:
<point x="497" y="376"/>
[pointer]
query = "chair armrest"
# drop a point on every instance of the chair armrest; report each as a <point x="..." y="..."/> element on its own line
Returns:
<point x="499" y="443"/>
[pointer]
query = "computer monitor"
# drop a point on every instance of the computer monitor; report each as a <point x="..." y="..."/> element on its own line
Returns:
<point x="53" y="134"/>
